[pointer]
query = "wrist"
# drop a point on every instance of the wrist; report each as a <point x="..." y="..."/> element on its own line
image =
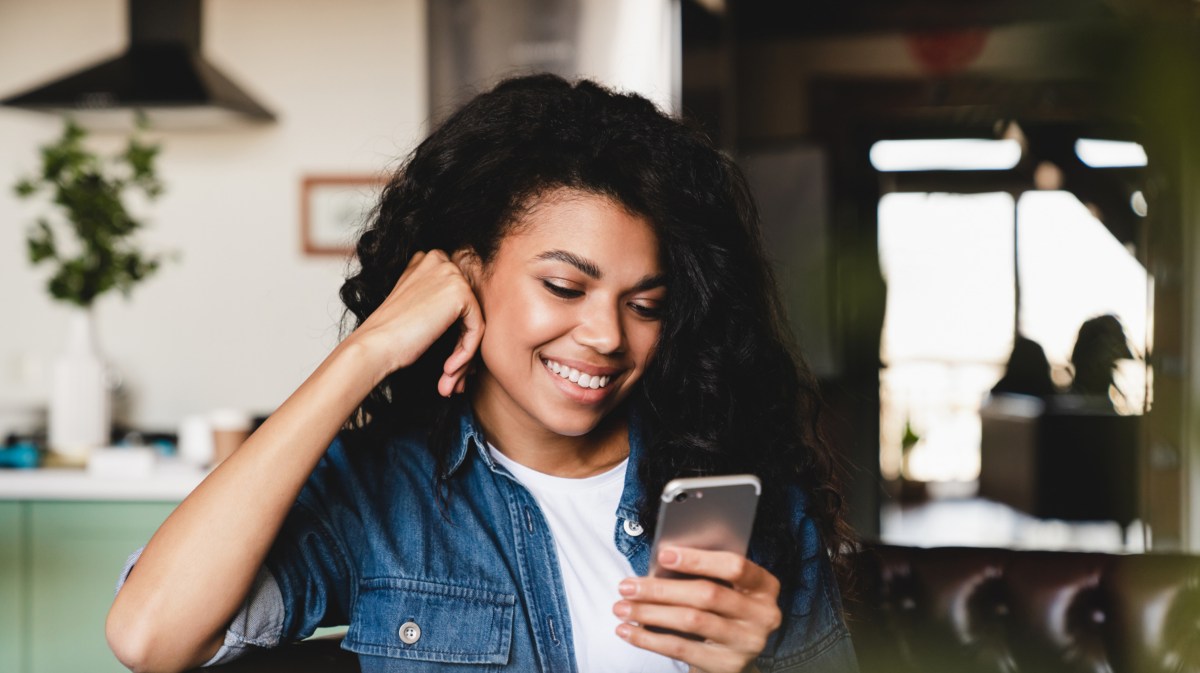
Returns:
<point x="368" y="364"/>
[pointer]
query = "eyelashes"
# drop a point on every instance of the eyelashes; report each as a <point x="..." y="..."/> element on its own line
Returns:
<point x="648" y="312"/>
<point x="642" y="310"/>
<point x="560" y="291"/>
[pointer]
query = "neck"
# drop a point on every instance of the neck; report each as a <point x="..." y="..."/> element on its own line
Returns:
<point x="587" y="455"/>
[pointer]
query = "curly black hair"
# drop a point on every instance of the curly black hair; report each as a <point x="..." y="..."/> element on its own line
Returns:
<point x="725" y="392"/>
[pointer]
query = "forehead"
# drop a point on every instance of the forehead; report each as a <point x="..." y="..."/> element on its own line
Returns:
<point x="580" y="221"/>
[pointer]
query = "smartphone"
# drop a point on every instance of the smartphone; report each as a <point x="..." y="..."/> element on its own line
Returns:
<point x="710" y="513"/>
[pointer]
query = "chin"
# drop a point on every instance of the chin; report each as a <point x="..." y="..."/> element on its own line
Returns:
<point x="571" y="425"/>
<point x="576" y="422"/>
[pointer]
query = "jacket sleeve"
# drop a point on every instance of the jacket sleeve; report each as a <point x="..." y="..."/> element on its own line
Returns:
<point x="258" y="624"/>
<point x="310" y="558"/>
<point x="813" y="636"/>
<point x="306" y="579"/>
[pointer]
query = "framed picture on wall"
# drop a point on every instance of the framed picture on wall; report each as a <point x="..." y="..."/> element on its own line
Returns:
<point x="333" y="209"/>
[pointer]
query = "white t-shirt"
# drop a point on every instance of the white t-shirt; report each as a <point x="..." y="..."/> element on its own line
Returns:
<point x="582" y="514"/>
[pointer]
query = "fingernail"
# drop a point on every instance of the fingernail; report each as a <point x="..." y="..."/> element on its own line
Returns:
<point x="627" y="588"/>
<point x="624" y="630"/>
<point x="622" y="609"/>
<point x="668" y="557"/>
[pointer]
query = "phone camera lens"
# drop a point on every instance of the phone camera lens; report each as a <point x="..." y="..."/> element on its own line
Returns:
<point x="681" y="497"/>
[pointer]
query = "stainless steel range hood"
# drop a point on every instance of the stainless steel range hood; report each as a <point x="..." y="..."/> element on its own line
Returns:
<point x="633" y="45"/>
<point x="162" y="74"/>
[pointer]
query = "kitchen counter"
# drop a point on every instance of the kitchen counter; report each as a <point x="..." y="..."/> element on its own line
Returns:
<point x="171" y="480"/>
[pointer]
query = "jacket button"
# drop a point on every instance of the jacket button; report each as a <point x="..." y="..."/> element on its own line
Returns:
<point x="633" y="528"/>
<point x="410" y="633"/>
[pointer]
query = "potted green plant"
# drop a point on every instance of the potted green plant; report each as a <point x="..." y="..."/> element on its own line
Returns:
<point x="89" y="243"/>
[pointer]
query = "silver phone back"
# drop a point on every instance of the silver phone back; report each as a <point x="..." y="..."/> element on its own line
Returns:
<point x="715" y="514"/>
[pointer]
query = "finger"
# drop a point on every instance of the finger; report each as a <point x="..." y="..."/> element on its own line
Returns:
<point x="472" y="328"/>
<point x="413" y="262"/>
<point x="735" y="569"/>
<point x="454" y="382"/>
<point x="698" y="594"/>
<point x="469" y="337"/>
<point x="692" y="652"/>
<point x="446" y="385"/>
<point x="707" y="625"/>
<point x="459" y="365"/>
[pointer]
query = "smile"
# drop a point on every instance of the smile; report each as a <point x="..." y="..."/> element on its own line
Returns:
<point x="575" y="376"/>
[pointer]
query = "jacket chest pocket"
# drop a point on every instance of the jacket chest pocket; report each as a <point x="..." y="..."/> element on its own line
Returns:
<point x="417" y="621"/>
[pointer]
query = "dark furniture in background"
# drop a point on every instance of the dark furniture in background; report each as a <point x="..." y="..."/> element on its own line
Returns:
<point x="968" y="610"/>
<point x="976" y="609"/>
<point x="1060" y="463"/>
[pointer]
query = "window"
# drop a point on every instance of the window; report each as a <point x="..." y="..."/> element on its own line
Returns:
<point x="951" y="263"/>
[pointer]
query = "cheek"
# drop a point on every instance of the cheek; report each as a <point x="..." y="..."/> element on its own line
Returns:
<point x="520" y="319"/>
<point x="642" y="338"/>
<point x="542" y="320"/>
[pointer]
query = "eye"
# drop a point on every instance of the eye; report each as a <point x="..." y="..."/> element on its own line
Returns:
<point x="647" y="311"/>
<point x="561" y="291"/>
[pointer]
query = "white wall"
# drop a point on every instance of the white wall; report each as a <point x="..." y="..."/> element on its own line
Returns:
<point x="244" y="316"/>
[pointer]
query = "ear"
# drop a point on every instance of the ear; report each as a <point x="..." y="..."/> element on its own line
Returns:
<point x="469" y="263"/>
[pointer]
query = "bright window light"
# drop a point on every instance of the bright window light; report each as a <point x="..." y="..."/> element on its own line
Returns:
<point x="956" y="154"/>
<point x="1109" y="153"/>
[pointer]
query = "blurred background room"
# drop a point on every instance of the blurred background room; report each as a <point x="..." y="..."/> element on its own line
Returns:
<point x="983" y="218"/>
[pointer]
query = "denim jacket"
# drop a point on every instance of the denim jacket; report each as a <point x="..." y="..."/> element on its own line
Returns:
<point x="368" y="544"/>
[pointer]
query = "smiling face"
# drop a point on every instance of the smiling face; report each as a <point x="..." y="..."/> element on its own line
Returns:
<point x="571" y="303"/>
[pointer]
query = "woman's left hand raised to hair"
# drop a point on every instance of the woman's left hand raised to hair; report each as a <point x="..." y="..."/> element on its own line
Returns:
<point x="733" y="621"/>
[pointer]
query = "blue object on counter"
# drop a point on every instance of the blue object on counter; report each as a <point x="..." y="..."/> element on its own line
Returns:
<point x="22" y="455"/>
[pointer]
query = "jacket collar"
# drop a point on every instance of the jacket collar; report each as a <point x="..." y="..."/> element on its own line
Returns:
<point x="468" y="434"/>
<point x="635" y="546"/>
<point x="632" y="494"/>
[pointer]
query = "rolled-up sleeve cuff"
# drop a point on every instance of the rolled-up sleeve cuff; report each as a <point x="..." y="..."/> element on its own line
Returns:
<point x="257" y="625"/>
<point x="133" y="558"/>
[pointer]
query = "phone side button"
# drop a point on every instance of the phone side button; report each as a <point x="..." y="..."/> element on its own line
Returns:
<point x="633" y="528"/>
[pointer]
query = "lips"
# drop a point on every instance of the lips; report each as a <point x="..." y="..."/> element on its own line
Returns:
<point x="593" y="380"/>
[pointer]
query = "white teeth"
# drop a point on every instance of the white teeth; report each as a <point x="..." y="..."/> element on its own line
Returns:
<point x="575" y="376"/>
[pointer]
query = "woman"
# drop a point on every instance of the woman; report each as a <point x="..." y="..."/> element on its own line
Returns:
<point x="561" y="305"/>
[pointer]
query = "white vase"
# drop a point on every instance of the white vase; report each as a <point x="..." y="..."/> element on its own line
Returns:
<point x="80" y="408"/>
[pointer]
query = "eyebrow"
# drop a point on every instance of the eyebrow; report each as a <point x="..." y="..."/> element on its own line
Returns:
<point x="589" y="268"/>
<point x="584" y="265"/>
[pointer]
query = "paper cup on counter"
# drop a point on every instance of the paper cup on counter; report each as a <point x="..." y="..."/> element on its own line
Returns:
<point x="230" y="428"/>
<point x="196" y="440"/>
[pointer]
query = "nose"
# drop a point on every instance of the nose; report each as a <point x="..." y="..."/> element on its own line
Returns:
<point x="600" y="329"/>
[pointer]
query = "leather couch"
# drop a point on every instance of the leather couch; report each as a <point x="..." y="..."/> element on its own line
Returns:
<point x="967" y="610"/>
<point x="973" y="609"/>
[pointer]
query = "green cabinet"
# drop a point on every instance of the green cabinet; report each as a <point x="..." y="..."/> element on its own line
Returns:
<point x="58" y="566"/>
<point x="12" y="589"/>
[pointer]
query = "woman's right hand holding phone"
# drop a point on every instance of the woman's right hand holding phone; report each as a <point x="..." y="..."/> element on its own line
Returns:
<point x="730" y="606"/>
<point x="431" y="295"/>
